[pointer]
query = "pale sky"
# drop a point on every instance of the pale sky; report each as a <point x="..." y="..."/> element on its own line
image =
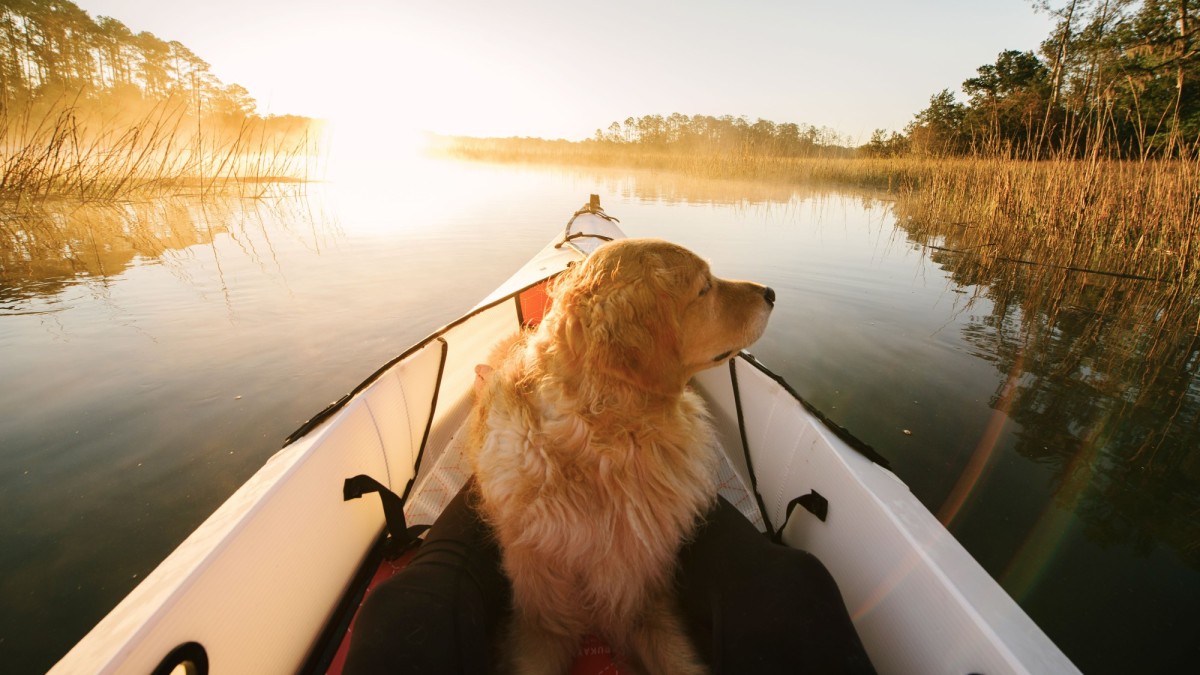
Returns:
<point x="560" y="69"/>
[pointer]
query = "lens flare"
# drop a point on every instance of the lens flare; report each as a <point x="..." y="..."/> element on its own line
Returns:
<point x="985" y="453"/>
<point x="1045" y="540"/>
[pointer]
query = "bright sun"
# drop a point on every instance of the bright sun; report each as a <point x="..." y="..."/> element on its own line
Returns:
<point x="365" y="147"/>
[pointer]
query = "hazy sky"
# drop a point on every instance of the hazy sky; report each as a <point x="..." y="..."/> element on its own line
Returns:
<point x="555" y="68"/>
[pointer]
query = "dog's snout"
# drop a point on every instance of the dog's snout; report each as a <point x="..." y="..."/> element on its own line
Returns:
<point x="769" y="295"/>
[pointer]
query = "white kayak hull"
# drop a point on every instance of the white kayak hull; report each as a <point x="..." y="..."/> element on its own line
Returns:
<point x="254" y="587"/>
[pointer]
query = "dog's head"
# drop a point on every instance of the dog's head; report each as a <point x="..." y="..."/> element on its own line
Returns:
<point x="651" y="313"/>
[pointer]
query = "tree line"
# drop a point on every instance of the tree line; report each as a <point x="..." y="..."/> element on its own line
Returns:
<point x="91" y="109"/>
<point x="705" y="134"/>
<point x="1115" y="78"/>
<point x="52" y="50"/>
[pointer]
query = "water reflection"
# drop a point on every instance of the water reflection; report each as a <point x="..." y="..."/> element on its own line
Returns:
<point x="1055" y="413"/>
<point x="657" y="186"/>
<point x="59" y="244"/>
<point x="48" y="249"/>
<point x="1102" y="385"/>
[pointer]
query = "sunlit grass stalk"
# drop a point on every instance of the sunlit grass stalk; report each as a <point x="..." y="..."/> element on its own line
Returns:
<point x="1129" y="217"/>
<point x="65" y="152"/>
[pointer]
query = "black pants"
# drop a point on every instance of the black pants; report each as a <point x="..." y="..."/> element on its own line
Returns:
<point x="752" y="606"/>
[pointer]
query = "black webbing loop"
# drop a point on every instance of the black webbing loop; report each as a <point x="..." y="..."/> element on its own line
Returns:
<point x="403" y="536"/>
<point x="813" y="502"/>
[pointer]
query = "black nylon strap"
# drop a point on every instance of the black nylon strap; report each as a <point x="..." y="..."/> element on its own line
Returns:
<point x="741" y="420"/>
<point x="813" y="502"/>
<point x="403" y="536"/>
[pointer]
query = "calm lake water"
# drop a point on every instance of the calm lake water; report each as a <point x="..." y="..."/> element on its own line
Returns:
<point x="154" y="355"/>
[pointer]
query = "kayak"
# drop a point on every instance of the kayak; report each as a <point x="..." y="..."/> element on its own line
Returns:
<point x="270" y="581"/>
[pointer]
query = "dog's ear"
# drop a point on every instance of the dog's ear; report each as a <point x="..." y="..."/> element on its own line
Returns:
<point x="614" y="318"/>
<point x="569" y="293"/>
<point x="633" y="335"/>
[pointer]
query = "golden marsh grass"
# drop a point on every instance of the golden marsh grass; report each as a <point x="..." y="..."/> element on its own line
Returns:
<point x="1125" y="217"/>
<point x="1136" y="218"/>
<point x="61" y="150"/>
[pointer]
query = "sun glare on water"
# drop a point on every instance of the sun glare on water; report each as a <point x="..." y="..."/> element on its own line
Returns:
<point x="380" y="174"/>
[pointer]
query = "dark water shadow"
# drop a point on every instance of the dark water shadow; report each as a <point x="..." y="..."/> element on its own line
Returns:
<point x="1100" y="389"/>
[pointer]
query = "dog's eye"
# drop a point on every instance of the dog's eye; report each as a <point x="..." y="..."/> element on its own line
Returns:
<point x="706" y="287"/>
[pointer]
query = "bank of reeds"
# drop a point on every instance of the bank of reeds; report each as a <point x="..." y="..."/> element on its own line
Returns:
<point x="66" y="151"/>
<point x="1132" y="217"/>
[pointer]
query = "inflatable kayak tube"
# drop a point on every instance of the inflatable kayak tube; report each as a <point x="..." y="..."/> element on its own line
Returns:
<point x="263" y="585"/>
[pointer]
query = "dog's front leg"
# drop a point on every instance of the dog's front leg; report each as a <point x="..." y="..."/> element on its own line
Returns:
<point x="546" y="626"/>
<point x="659" y="642"/>
<point x="538" y="650"/>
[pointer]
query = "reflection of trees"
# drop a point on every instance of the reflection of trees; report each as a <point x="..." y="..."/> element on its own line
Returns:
<point x="673" y="187"/>
<point x="1109" y="388"/>
<point x="683" y="188"/>
<point x="48" y="249"/>
<point x="44" y="250"/>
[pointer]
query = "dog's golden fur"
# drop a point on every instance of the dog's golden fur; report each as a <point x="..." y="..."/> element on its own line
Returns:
<point x="593" y="459"/>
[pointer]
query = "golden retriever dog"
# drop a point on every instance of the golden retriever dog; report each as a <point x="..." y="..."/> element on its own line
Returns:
<point x="593" y="460"/>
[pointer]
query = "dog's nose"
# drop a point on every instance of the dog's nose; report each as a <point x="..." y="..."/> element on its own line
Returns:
<point x="769" y="295"/>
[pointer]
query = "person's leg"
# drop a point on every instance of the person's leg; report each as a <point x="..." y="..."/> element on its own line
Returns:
<point x="442" y="613"/>
<point x="758" y="607"/>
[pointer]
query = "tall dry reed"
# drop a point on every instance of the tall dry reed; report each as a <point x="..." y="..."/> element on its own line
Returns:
<point x="1138" y="218"/>
<point x="63" y="150"/>
<point x="1131" y="217"/>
